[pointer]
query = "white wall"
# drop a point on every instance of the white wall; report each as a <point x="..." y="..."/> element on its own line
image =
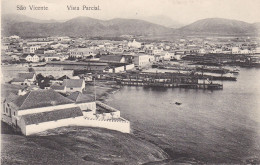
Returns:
<point x="89" y="105"/>
<point x="122" y="126"/>
<point x="120" y="69"/>
<point x="36" y="128"/>
<point x="130" y="66"/>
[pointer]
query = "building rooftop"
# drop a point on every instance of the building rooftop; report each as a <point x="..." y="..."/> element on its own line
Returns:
<point x="73" y="83"/>
<point x="52" y="115"/>
<point x="111" y="58"/>
<point x="25" y="75"/>
<point x="40" y="98"/>
<point x="78" y="97"/>
<point x="57" y="87"/>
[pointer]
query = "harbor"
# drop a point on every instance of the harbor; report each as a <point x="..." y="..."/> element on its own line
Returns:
<point x="194" y="128"/>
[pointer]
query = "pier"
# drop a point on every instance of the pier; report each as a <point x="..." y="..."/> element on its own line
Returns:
<point x="166" y="80"/>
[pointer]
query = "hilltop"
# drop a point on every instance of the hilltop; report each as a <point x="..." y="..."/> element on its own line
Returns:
<point x="219" y="26"/>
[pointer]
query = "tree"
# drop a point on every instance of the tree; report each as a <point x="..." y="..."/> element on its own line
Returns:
<point x="31" y="70"/>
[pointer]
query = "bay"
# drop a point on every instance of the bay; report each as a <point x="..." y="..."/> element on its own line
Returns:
<point x="221" y="126"/>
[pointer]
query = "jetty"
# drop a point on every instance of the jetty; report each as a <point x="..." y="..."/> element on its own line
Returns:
<point x="166" y="80"/>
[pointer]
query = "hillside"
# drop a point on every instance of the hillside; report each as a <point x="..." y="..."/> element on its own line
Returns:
<point x="163" y="20"/>
<point x="13" y="18"/>
<point x="83" y="26"/>
<point x="78" y="145"/>
<point x="219" y="26"/>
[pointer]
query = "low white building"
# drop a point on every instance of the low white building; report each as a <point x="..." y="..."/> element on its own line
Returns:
<point x="51" y="57"/>
<point x="82" y="52"/>
<point x="59" y="45"/>
<point x="73" y="85"/>
<point x="217" y="51"/>
<point x="245" y="51"/>
<point x="24" y="79"/>
<point x="202" y="51"/>
<point x="164" y="56"/>
<point x="41" y="110"/>
<point x="32" y="58"/>
<point x="31" y="49"/>
<point x="69" y="86"/>
<point x="49" y="51"/>
<point x="236" y="50"/>
<point x="134" y="44"/>
<point x="141" y="60"/>
<point x="14" y="37"/>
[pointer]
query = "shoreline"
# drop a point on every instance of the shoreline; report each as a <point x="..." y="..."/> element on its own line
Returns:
<point x="108" y="93"/>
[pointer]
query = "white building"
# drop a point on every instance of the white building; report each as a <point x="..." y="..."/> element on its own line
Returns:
<point x="245" y="51"/>
<point x="64" y="39"/>
<point x="32" y="58"/>
<point x="41" y="110"/>
<point x="24" y="79"/>
<point x="14" y="37"/>
<point x="30" y="49"/>
<point x="217" y="51"/>
<point x="141" y="60"/>
<point x="82" y="52"/>
<point x="50" y="51"/>
<point x="202" y="51"/>
<point x="69" y="86"/>
<point x="50" y="57"/>
<point x="59" y="45"/>
<point x="134" y="44"/>
<point x="235" y="50"/>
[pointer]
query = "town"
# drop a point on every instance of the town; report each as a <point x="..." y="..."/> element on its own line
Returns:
<point x="53" y="82"/>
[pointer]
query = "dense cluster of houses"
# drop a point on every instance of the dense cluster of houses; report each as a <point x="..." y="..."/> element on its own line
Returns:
<point x="36" y="107"/>
<point x="138" y="53"/>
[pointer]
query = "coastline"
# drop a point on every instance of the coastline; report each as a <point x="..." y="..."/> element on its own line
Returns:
<point x="108" y="93"/>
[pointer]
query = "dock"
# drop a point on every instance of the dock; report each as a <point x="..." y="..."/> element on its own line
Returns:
<point x="165" y="80"/>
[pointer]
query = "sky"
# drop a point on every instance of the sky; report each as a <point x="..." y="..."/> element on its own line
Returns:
<point x="183" y="11"/>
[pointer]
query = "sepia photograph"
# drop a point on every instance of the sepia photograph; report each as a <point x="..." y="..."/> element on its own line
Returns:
<point x="130" y="82"/>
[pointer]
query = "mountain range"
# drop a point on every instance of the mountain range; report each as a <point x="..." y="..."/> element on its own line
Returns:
<point x="89" y="27"/>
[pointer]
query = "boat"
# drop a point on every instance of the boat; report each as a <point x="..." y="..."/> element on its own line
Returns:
<point x="177" y="103"/>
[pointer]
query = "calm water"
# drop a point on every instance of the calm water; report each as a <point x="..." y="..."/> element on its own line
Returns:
<point x="210" y="126"/>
